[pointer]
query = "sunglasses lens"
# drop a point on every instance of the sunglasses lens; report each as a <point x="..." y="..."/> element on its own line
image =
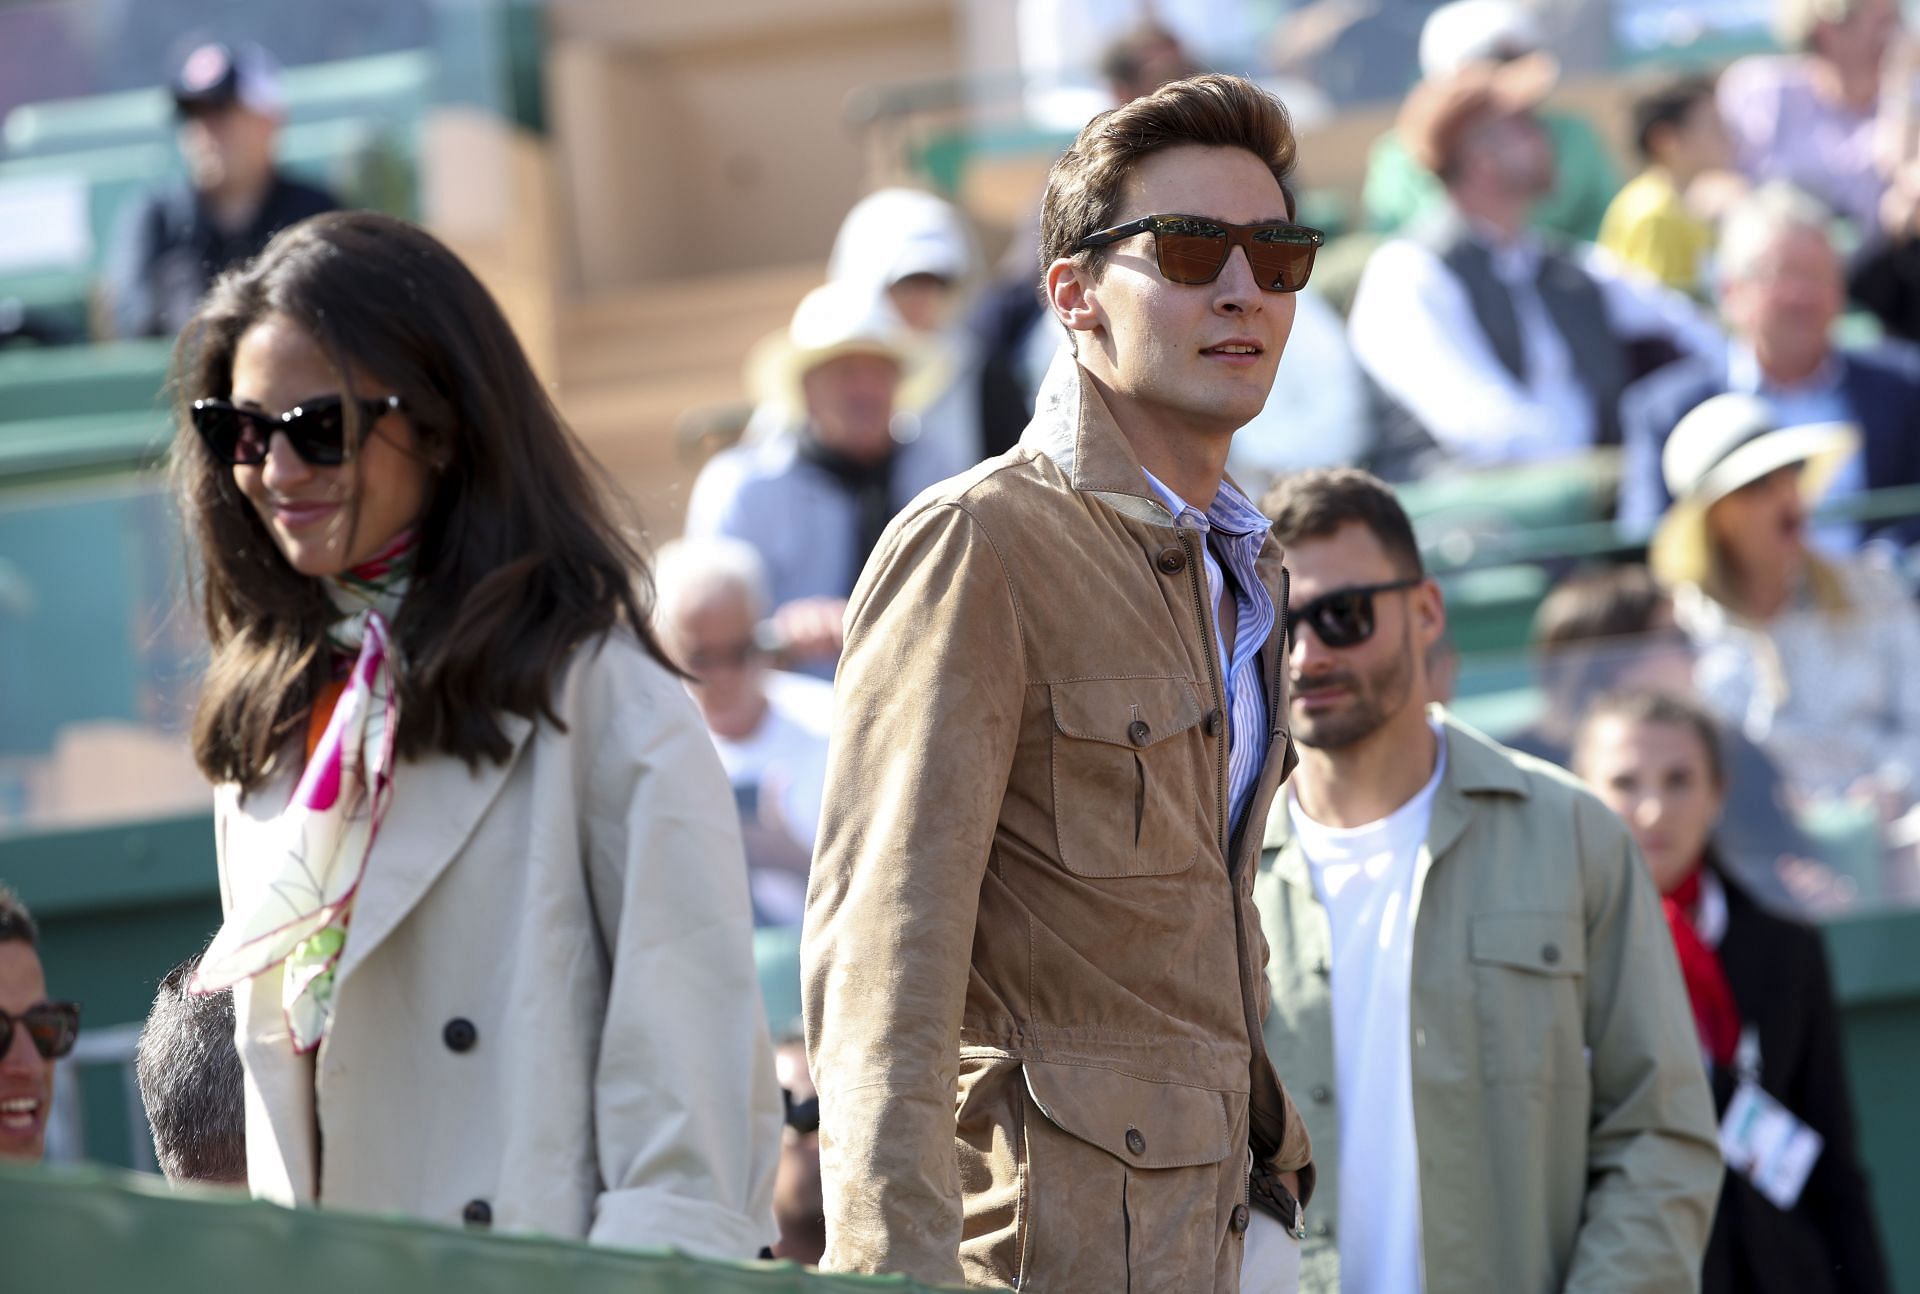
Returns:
<point x="319" y="432"/>
<point x="1191" y="258"/>
<point x="1281" y="267"/>
<point x="1343" y="619"/>
<point x="231" y="436"/>
<point x="53" y="1032"/>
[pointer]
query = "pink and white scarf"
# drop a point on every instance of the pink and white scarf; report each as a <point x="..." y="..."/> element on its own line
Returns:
<point x="324" y="835"/>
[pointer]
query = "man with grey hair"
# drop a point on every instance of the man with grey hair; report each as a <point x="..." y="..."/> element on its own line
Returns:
<point x="770" y="727"/>
<point x="1781" y="290"/>
<point x="191" y="1083"/>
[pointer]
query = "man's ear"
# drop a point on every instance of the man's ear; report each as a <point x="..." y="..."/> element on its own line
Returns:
<point x="1429" y="614"/>
<point x="1072" y="293"/>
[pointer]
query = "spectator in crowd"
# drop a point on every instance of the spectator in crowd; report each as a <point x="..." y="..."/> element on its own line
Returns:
<point x="191" y="1083"/>
<point x="1762" y="1003"/>
<point x="913" y="247"/>
<point x="470" y="825"/>
<point x="1059" y="710"/>
<point x="1505" y="1090"/>
<point x="1492" y="346"/>
<point x="769" y="726"/>
<point x="1809" y="117"/>
<point x="1810" y="657"/>
<point x="34" y="1033"/>
<point x="1142" y="59"/>
<point x="813" y="498"/>
<point x="1064" y="49"/>
<point x="1781" y="292"/>
<point x="174" y="241"/>
<point x="1612" y="628"/>
<point x="1650" y="226"/>
<point x="1403" y="186"/>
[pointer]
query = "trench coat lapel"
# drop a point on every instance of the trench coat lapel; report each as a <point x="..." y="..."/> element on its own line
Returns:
<point x="437" y="802"/>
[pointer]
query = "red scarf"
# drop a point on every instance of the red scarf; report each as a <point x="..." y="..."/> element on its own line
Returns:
<point x="1715" y="1014"/>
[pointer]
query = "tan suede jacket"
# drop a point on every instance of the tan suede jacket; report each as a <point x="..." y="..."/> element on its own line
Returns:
<point x="1032" y="966"/>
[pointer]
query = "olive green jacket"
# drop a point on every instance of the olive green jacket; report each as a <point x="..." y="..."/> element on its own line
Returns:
<point x="1031" y="962"/>
<point x="1566" y="1132"/>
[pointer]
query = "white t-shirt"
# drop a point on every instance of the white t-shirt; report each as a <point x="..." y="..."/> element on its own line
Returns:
<point x="1366" y="878"/>
<point x="778" y="775"/>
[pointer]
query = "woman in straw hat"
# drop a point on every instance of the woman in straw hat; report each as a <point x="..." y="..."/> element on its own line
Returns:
<point x="1809" y="656"/>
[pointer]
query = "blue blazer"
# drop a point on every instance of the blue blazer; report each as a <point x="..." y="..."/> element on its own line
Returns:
<point x="1881" y="385"/>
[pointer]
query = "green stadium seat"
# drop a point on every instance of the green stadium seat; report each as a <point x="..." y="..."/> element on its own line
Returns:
<point x="67" y="381"/>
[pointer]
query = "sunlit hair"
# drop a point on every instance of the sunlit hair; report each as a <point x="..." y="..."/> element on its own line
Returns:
<point x="1667" y="709"/>
<point x="520" y="558"/>
<point x="1758" y="220"/>
<point x="1218" y="111"/>
<point x="1316" y="503"/>
<point x="16" y="923"/>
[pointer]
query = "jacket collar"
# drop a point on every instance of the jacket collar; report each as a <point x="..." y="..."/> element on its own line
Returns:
<point x="1476" y="768"/>
<point x="1073" y="426"/>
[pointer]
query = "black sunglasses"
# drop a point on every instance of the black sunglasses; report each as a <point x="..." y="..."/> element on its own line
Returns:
<point x="1194" y="249"/>
<point x="1344" y="617"/>
<point x="317" y="430"/>
<point x="53" y="1026"/>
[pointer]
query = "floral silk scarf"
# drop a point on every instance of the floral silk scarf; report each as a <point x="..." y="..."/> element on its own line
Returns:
<point x="326" y="832"/>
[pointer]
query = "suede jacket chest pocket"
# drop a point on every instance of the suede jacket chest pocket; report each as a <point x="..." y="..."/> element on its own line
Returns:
<point x="1130" y="776"/>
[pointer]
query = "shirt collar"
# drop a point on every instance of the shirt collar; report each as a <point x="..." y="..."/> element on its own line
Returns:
<point x="1743" y="374"/>
<point x="1231" y="513"/>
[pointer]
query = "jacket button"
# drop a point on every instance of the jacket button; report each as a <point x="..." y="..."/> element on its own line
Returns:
<point x="1550" y="954"/>
<point x="478" y="1213"/>
<point x="1321" y="968"/>
<point x="1173" y="560"/>
<point x="1135" y="1142"/>
<point x="1321" y="1093"/>
<point x="460" y="1035"/>
<point x="1138" y="732"/>
<point x="1213" y="722"/>
<point x="1322" y="1229"/>
<point x="1238" y="1222"/>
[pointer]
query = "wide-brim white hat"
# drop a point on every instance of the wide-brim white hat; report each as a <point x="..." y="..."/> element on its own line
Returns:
<point x="831" y="321"/>
<point x="1725" y="443"/>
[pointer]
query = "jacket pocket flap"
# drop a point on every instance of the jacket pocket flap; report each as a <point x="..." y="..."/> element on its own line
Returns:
<point x="1136" y="1120"/>
<point x="1108" y="709"/>
<point x="1530" y="941"/>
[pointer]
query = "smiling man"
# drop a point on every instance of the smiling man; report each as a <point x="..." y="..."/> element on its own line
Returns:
<point x="1468" y="970"/>
<point x="34" y="1033"/>
<point x="1032" y="965"/>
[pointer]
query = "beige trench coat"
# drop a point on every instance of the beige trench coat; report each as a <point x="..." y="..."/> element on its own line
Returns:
<point x="1566" y="1133"/>
<point x="547" y="1013"/>
<point x="1031" y="963"/>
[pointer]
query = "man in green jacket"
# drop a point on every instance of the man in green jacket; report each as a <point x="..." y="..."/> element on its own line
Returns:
<point x="1473" y="988"/>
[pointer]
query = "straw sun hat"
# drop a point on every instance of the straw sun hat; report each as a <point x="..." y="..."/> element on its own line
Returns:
<point x="1728" y="442"/>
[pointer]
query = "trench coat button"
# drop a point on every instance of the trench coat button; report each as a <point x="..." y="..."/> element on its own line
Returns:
<point x="1173" y="560"/>
<point x="1321" y="968"/>
<point x="1135" y="1142"/>
<point x="459" y="1035"/>
<point x="478" y="1213"/>
<point x="1238" y="1222"/>
<point x="1550" y="954"/>
<point x="1321" y="1093"/>
<point x="1138" y="732"/>
<point x="1213" y="722"/>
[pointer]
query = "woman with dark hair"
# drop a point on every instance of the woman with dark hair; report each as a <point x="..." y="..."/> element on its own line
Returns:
<point x="486" y="924"/>
<point x="1761" y="1000"/>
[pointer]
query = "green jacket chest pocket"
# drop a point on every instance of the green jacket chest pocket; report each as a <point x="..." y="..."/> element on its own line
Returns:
<point x="1130" y="765"/>
<point x="1529" y="980"/>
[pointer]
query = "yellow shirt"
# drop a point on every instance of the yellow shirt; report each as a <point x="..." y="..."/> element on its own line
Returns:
<point x="1648" y="226"/>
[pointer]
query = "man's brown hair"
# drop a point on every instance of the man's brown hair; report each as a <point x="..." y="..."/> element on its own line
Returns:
<point x="1083" y="188"/>
<point x="1312" y="505"/>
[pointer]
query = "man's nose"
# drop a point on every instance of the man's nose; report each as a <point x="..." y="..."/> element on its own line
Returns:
<point x="1237" y="290"/>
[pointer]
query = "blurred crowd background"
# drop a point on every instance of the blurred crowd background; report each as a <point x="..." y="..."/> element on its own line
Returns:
<point x="776" y="261"/>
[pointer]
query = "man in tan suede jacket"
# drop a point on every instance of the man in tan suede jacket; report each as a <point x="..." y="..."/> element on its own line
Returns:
<point x="1033" y="970"/>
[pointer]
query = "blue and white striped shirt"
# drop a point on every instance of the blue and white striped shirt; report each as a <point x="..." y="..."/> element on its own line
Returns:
<point x="1234" y="530"/>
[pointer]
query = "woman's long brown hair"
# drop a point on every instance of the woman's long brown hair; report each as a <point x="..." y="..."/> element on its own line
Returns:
<point x="520" y="557"/>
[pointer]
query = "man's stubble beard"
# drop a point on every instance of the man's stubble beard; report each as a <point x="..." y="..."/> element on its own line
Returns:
<point x="1376" y="699"/>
